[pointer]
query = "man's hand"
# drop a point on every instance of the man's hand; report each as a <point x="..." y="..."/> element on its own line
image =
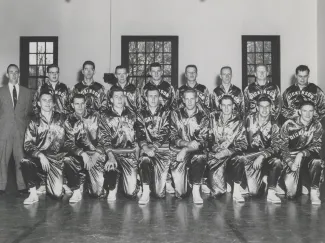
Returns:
<point x="257" y="165"/>
<point x="88" y="163"/>
<point x="149" y="151"/>
<point x="181" y="155"/>
<point x="111" y="164"/>
<point x="221" y="154"/>
<point x="44" y="162"/>
<point x="193" y="144"/>
<point x="296" y="164"/>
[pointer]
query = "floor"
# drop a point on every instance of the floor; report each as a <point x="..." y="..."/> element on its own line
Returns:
<point x="166" y="220"/>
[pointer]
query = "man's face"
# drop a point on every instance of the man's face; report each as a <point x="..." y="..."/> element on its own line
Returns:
<point x="79" y="106"/>
<point x="226" y="75"/>
<point x="53" y="74"/>
<point x="302" y="78"/>
<point x="13" y="75"/>
<point x="191" y="74"/>
<point x="121" y="75"/>
<point x="88" y="71"/>
<point x="153" y="98"/>
<point x="261" y="73"/>
<point x="264" y="109"/>
<point x="307" y="113"/>
<point x="226" y="107"/>
<point x="46" y="103"/>
<point x="190" y="99"/>
<point x="156" y="73"/>
<point x="118" y="99"/>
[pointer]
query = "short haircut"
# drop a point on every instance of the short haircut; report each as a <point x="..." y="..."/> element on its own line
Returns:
<point x="115" y="89"/>
<point x="191" y="66"/>
<point x="12" y="65"/>
<point x="261" y="65"/>
<point x="264" y="98"/>
<point x="52" y="66"/>
<point x="121" y="67"/>
<point x="155" y="64"/>
<point x="78" y="96"/>
<point x="45" y="92"/>
<point x="151" y="88"/>
<point x="225" y="67"/>
<point x="226" y="97"/>
<point x="307" y="102"/>
<point x="88" y="63"/>
<point x="190" y="90"/>
<point x="302" y="68"/>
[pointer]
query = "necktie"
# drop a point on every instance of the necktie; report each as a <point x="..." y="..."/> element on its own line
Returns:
<point x="14" y="96"/>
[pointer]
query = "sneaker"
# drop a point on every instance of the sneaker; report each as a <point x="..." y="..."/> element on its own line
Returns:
<point x="279" y="190"/>
<point x="304" y="190"/>
<point x="33" y="198"/>
<point x="169" y="188"/>
<point x="112" y="195"/>
<point x="237" y="195"/>
<point x="197" y="199"/>
<point x="67" y="190"/>
<point x="243" y="191"/>
<point x="229" y="189"/>
<point x="205" y="189"/>
<point x="76" y="197"/>
<point x="41" y="190"/>
<point x="272" y="197"/>
<point x="314" y="197"/>
<point x="145" y="197"/>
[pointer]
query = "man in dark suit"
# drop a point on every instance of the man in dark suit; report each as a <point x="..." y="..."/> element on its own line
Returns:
<point x="15" y="111"/>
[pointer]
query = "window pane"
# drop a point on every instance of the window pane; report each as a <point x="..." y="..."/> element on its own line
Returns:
<point x="267" y="58"/>
<point x="41" y="59"/>
<point x="41" y="47"/>
<point x="32" y="71"/>
<point x="250" y="58"/>
<point x="267" y="46"/>
<point x="49" y="58"/>
<point x="132" y="58"/>
<point x="251" y="80"/>
<point x="259" y="46"/>
<point x="32" y="47"/>
<point x="167" y="70"/>
<point x="158" y="46"/>
<point x="141" y="46"/>
<point x="159" y="57"/>
<point x="259" y="58"/>
<point x="132" y="46"/>
<point x="269" y="69"/>
<point x="132" y="80"/>
<point x="167" y="46"/>
<point x="250" y="69"/>
<point x="167" y="58"/>
<point x="134" y="70"/>
<point x="150" y="46"/>
<point x="32" y="84"/>
<point x="150" y="58"/>
<point x="49" y="47"/>
<point x="250" y="46"/>
<point x="41" y="70"/>
<point x="140" y="70"/>
<point x="141" y="58"/>
<point x="32" y="59"/>
<point x="40" y="82"/>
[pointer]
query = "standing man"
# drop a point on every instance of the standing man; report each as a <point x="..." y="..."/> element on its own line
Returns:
<point x="301" y="91"/>
<point x="188" y="141"/>
<point x="85" y="160"/>
<point x="117" y="138"/>
<point x="93" y="91"/>
<point x="264" y="145"/>
<point x="201" y="90"/>
<point x="153" y="135"/>
<point x="59" y="90"/>
<point x="166" y="90"/>
<point x="262" y="86"/>
<point x="131" y="92"/>
<point x="15" y="113"/>
<point x="227" y="88"/>
<point x="44" y="142"/>
<point x="302" y="141"/>
<point x="227" y="139"/>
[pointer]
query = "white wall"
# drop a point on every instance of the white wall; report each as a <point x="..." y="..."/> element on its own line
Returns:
<point x="321" y="43"/>
<point x="209" y="31"/>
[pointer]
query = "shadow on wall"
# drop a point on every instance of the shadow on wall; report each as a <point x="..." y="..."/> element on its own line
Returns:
<point x="80" y="76"/>
<point x="218" y="80"/>
<point x="4" y="80"/>
<point x="292" y="79"/>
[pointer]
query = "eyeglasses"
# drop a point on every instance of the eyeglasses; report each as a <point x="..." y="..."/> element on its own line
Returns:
<point x="53" y="72"/>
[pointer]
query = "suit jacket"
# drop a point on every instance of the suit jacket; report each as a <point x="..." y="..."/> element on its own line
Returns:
<point x="14" y="120"/>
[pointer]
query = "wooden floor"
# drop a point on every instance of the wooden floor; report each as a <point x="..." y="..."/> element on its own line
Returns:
<point x="166" y="220"/>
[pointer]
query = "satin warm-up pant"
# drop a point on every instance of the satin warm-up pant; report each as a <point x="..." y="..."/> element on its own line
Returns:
<point x="34" y="174"/>
<point x="154" y="170"/>
<point x="271" y="167"/>
<point x="311" y="171"/>
<point x="187" y="172"/>
<point x="77" y="175"/>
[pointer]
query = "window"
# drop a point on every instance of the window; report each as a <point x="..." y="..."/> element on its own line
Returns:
<point x="260" y="50"/>
<point x="36" y="53"/>
<point x="138" y="52"/>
